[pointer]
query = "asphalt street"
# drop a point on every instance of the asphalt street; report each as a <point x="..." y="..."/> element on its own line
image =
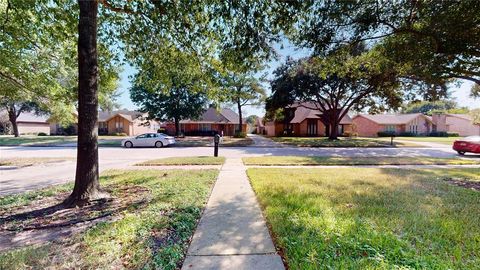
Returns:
<point x="16" y="180"/>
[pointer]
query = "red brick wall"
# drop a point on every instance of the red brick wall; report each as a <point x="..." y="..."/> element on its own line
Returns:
<point x="366" y="127"/>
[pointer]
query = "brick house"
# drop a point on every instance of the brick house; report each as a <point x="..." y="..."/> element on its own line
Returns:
<point x="457" y="123"/>
<point x="301" y="120"/>
<point x="30" y="123"/>
<point x="211" y="122"/>
<point x="367" y="125"/>
<point x="126" y="122"/>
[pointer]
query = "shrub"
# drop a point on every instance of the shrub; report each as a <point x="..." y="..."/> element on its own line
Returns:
<point x="443" y="134"/>
<point x="120" y="134"/>
<point x="407" y="134"/>
<point x="453" y="134"/>
<point x="240" y="135"/>
<point x="386" y="133"/>
<point x="42" y="134"/>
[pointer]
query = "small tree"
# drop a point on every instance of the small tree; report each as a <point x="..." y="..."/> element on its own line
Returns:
<point x="244" y="90"/>
<point x="14" y="109"/>
<point x="349" y="78"/>
<point x="177" y="104"/>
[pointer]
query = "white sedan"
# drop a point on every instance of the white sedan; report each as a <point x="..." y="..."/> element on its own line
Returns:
<point x="149" y="140"/>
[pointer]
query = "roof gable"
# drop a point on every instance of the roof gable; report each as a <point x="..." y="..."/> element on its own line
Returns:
<point x="392" y="119"/>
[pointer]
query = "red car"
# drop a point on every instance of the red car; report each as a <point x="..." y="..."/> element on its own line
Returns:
<point x="469" y="144"/>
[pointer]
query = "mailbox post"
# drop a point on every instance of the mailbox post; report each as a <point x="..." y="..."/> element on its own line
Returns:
<point x="391" y="140"/>
<point x="216" y="141"/>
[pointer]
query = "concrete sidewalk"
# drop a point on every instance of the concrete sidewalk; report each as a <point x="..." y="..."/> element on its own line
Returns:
<point x="232" y="233"/>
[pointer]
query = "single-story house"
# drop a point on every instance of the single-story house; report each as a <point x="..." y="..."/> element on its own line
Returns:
<point x="368" y="125"/>
<point x="126" y="122"/>
<point x="301" y="119"/>
<point x="455" y="123"/>
<point x="259" y="126"/>
<point x="212" y="121"/>
<point x="30" y="123"/>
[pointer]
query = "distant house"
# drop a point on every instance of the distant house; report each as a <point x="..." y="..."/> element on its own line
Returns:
<point x="259" y="126"/>
<point x="209" y="123"/>
<point x="301" y="120"/>
<point x="126" y="122"/>
<point x="29" y="123"/>
<point x="367" y="125"/>
<point x="455" y="123"/>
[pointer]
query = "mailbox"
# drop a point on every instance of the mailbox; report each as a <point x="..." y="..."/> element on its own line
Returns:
<point x="216" y="141"/>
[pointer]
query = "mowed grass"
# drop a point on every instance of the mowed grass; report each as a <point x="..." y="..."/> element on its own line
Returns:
<point x="321" y="160"/>
<point x="30" y="140"/>
<point x="341" y="142"/>
<point x="33" y="140"/>
<point x="370" y="218"/>
<point x="200" y="160"/>
<point x="154" y="235"/>
<point x="25" y="162"/>
<point x="441" y="140"/>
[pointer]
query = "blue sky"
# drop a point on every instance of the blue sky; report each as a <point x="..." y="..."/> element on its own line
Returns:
<point x="459" y="93"/>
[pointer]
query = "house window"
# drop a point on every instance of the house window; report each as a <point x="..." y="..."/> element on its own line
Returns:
<point x="102" y="128"/>
<point x="312" y="127"/>
<point x="390" y="128"/>
<point x="118" y="125"/>
<point x="205" y="127"/>
<point x="413" y="126"/>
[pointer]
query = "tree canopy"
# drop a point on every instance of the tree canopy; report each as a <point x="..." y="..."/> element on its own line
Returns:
<point x="346" y="79"/>
<point x="433" y="42"/>
<point x="429" y="107"/>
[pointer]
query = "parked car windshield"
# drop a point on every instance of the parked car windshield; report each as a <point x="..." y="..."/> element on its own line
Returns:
<point x="473" y="139"/>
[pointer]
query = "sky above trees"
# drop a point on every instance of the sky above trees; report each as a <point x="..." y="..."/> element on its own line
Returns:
<point x="461" y="93"/>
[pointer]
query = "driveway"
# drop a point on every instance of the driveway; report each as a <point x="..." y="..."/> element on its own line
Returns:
<point x="30" y="178"/>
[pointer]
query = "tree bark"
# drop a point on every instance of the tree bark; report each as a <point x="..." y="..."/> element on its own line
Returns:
<point x="12" y="117"/>
<point x="177" y="126"/>
<point x="87" y="186"/>
<point x="333" y="116"/>
<point x="240" y="117"/>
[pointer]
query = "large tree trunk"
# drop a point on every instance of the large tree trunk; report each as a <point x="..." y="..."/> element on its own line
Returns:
<point x="240" y="117"/>
<point x="333" y="134"/>
<point x="177" y="126"/>
<point x="87" y="186"/>
<point x="12" y="117"/>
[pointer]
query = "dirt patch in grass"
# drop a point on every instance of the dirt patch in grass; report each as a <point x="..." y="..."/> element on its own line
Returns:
<point x="465" y="183"/>
<point x="46" y="219"/>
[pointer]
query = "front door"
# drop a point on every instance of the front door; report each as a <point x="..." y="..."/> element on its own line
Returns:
<point x="312" y="128"/>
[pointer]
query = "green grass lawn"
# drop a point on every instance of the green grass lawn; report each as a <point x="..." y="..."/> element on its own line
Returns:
<point x="36" y="140"/>
<point x="341" y="142"/>
<point x="321" y="160"/>
<point x="200" y="160"/>
<point x="153" y="235"/>
<point x="32" y="140"/>
<point x="371" y="218"/>
<point x="199" y="141"/>
<point x="441" y="140"/>
<point x="25" y="162"/>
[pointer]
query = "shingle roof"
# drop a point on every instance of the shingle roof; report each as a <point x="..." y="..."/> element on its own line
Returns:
<point x="211" y="115"/>
<point x="391" y="119"/>
<point x="129" y="115"/>
<point x="303" y="111"/>
<point x="463" y="116"/>
<point x="32" y="118"/>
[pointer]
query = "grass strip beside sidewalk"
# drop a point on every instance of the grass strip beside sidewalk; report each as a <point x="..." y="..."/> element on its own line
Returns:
<point x="333" y="161"/>
<point x="172" y="161"/>
<point x="150" y="233"/>
<point x="371" y="218"/>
